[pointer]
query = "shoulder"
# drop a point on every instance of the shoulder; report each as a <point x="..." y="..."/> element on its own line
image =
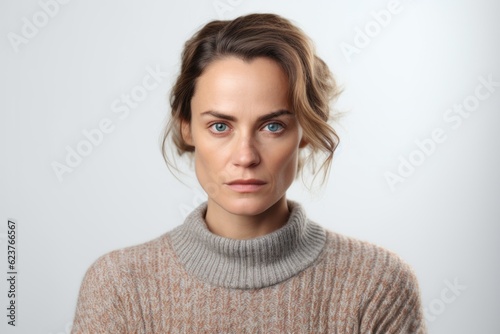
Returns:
<point x="382" y="285"/>
<point x="360" y="252"/>
<point x="139" y="259"/>
<point x="379" y="266"/>
<point x="111" y="282"/>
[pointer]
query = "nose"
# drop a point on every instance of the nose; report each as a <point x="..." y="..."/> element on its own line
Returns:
<point x="246" y="153"/>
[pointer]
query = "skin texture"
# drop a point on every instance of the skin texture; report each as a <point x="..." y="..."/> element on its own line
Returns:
<point x="233" y="141"/>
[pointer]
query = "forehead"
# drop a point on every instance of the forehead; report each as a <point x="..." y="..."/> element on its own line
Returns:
<point x="232" y="84"/>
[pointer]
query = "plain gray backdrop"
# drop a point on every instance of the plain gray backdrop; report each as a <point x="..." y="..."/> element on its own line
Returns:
<point x="417" y="170"/>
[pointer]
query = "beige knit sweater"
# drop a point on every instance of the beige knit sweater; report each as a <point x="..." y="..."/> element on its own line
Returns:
<point x="300" y="278"/>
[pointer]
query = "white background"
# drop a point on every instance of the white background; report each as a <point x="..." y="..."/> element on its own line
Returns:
<point x="443" y="219"/>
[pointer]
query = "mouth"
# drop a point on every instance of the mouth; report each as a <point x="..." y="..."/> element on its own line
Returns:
<point x="246" y="186"/>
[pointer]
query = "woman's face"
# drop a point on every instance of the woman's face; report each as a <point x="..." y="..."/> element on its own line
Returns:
<point x="245" y="136"/>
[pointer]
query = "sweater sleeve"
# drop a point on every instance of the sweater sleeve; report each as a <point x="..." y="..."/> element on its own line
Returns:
<point x="99" y="308"/>
<point x="395" y="305"/>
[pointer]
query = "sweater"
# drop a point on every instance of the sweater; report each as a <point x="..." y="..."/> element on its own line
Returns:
<point x="301" y="278"/>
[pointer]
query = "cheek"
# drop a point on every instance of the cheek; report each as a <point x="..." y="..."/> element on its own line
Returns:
<point x="203" y="167"/>
<point x="209" y="162"/>
<point x="203" y="161"/>
<point x="284" y="162"/>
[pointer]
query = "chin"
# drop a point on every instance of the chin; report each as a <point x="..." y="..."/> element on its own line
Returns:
<point x="246" y="206"/>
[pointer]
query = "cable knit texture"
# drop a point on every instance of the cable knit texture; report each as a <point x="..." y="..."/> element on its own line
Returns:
<point x="300" y="278"/>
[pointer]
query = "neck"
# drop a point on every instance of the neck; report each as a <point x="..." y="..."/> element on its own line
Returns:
<point x="248" y="264"/>
<point x="236" y="226"/>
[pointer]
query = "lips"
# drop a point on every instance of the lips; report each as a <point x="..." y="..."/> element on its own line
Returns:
<point x="246" y="186"/>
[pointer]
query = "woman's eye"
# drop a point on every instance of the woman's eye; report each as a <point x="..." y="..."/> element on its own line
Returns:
<point x="274" y="127"/>
<point x="219" y="127"/>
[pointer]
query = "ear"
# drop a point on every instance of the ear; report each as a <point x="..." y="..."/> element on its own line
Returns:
<point x="303" y="142"/>
<point x="186" y="132"/>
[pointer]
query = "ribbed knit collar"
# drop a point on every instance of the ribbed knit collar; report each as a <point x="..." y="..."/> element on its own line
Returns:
<point x="251" y="263"/>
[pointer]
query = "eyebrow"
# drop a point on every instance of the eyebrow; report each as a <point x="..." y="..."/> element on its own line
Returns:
<point x="262" y="118"/>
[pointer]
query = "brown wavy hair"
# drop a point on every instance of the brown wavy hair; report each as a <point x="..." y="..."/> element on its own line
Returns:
<point x="311" y="83"/>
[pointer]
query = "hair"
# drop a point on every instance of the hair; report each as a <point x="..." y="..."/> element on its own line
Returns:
<point x="311" y="84"/>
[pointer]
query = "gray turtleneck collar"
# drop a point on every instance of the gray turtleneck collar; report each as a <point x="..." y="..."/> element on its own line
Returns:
<point x="252" y="263"/>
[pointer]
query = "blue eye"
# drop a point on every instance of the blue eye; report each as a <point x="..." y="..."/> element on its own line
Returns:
<point x="219" y="127"/>
<point x="274" y="127"/>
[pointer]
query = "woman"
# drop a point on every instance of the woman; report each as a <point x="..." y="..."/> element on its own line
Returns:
<point x="251" y="100"/>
